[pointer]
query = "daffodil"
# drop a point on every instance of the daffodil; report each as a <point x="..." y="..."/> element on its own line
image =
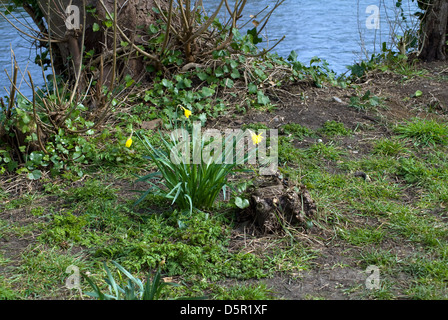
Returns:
<point x="129" y="141"/>
<point x="256" y="139"/>
<point x="187" y="112"/>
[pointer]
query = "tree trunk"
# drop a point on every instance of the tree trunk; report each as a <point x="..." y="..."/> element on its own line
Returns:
<point x="134" y="17"/>
<point x="434" y="30"/>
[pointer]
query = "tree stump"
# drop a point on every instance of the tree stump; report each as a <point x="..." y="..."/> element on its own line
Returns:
<point x="276" y="203"/>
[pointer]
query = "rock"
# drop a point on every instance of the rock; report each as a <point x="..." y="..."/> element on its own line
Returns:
<point x="338" y="100"/>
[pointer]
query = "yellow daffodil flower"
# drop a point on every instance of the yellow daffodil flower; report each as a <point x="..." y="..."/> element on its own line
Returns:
<point x="256" y="139"/>
<point x="128" y="142"/>
<point x="187" y="112"/>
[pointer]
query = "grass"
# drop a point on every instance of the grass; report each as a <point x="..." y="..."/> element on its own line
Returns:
<point x="333" y="128"/>
<point x="298" y="130"/>
<point x="424" y="132"/>
<point x="93" y="222"/>
<point x="396" y="220"/>
<point x="389" y="147"/>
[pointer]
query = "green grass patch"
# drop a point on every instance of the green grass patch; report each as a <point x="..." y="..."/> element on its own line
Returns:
<point x="297" y="130"/>
<point x="389" y="147"/>
<point x="424" y="131"/>
<point x="333" y="128"/>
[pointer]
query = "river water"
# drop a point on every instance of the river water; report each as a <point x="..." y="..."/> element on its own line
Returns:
<point x="339" y="31"/>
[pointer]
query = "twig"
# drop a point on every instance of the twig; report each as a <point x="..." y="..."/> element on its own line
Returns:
<point x="36" y="119"/>
<point x="13" y="91"/>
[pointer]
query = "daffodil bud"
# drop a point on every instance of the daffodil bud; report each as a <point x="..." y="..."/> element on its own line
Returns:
<point x="129" y="142"/>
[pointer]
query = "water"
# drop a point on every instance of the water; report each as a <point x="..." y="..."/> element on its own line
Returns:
<point x="24" y="52"/>
<point x="332" y="30"/>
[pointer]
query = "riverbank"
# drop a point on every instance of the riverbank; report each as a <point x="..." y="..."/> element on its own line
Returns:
<point x="372" y="154"/>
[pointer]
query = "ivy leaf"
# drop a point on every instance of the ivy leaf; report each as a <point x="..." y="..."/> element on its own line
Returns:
<point x="96" y="27"/>
<point x="36" y="157"/>
<point x="418" y="93"/>
<point x="241" y="203"/>
<point x="293" y="56"/>
<point x="262" y="99"/>
<point x="252" y="88"/>
<point x="207" y="92"/>
<point x="255" y="38"/>
<point x="35" y="175"/>
<point x="219" y="72"/>
<point x="229" y="83"/>
<point x="202" y="75"/>
<point x="235" y="74"/>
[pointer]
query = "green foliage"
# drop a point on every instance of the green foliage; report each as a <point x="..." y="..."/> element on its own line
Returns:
<point x="325" y="151"/>
<point x="412" y="170"/>
<point x="334" y="128"/>
<point x="424" y="132"/>
<point x="187" y="183"/>
<point x="65" y="151"/>
<point x="388" y="59"/>
<point x="134" y="289"/>
<point x="64" y="227"/>
<point x="318" y="70"/>
<point x="365" y="102"/>
<point x="389" y="147"/>
<point x="297" y="130"/>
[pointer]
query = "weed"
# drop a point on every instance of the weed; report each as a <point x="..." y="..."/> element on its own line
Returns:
<point x="325" y="151"/>
<point x="412" y="170"/>
<point x="333" y="128"/>
<point x="66" y="227"/>
<point x="42" y="267"/>
<point x="92" y="189"/>
<point x="297" y="130"/>
<point x="362" y="236"/>
<point x="366" y="102"/>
